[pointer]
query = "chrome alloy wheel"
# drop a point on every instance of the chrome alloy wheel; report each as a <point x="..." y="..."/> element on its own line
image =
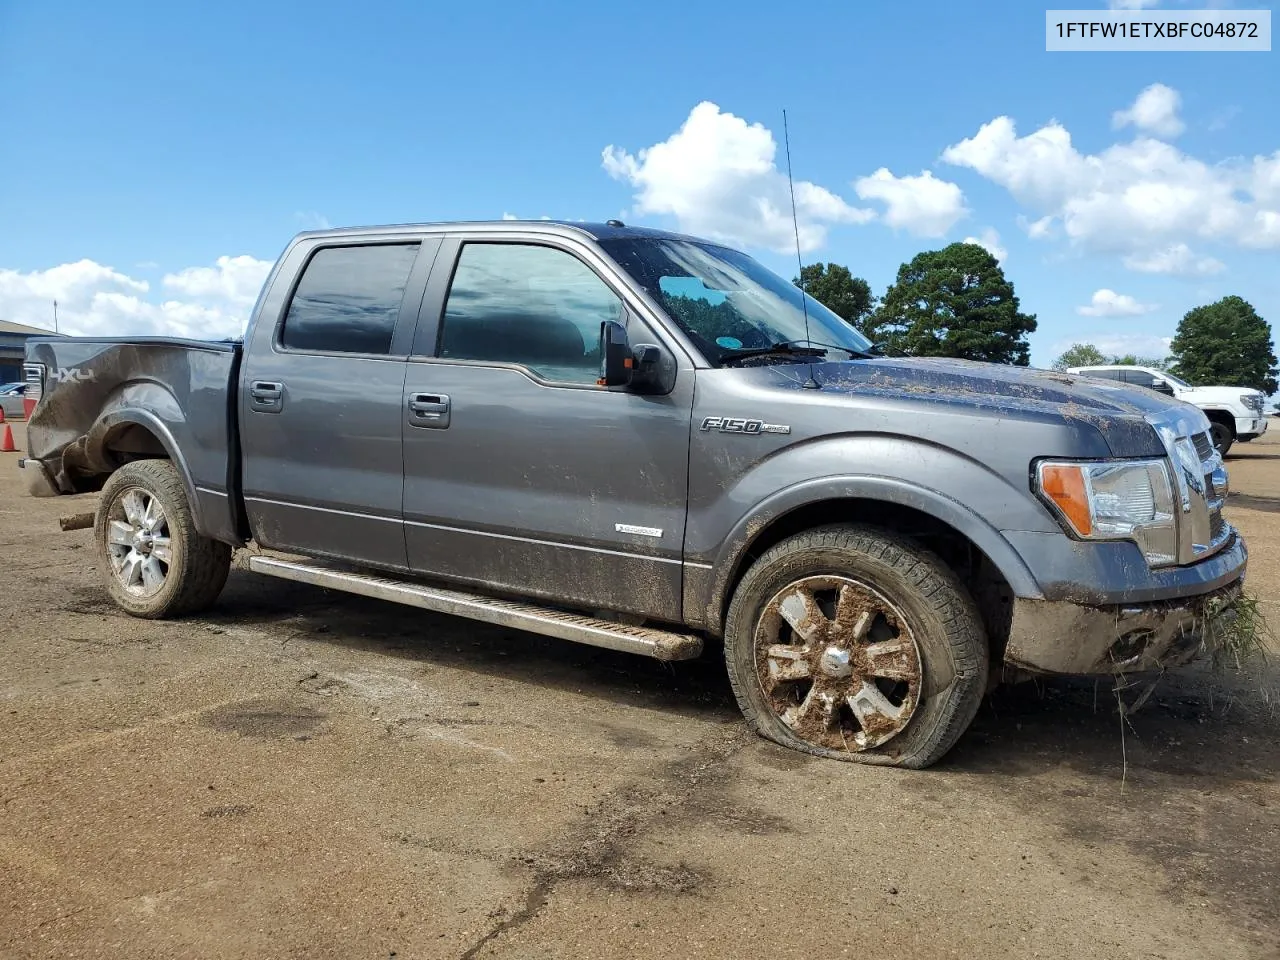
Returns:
<point x="138" y="542"/>
<point x="838" y="663"/>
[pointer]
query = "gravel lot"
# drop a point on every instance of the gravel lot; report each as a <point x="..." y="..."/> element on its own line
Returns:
<point x="304" y="774"/>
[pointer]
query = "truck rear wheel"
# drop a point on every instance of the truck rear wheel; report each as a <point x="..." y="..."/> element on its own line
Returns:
<point x="853" y="643"/>
<point x="155" y="563"/>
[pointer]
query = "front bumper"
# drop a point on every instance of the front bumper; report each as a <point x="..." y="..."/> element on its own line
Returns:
<point x="1251" y="426"/>
<point x="1056" y="636"/>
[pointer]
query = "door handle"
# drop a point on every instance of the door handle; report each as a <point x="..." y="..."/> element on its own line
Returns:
<point x="266" y="396"/>
<point x="429" y="410"/>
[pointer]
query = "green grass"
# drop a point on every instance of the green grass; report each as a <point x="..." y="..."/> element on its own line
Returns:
<point x="1236" y="633"/>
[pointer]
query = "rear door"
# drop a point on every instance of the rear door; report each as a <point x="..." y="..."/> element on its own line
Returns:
<point x="320" y="400"/>
<point x="521" y="474"/>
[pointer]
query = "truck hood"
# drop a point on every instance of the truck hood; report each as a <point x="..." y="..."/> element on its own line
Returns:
<point x="1116" y="413"/>
<point x="1227" y="396"/>
<point x="1007" y="388"/>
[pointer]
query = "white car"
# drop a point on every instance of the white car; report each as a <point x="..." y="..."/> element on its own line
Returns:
<point x="1235" y="413"/>
<point x="11" y="399"/>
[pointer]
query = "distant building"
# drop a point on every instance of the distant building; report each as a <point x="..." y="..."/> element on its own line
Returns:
<point x="13" y="339"/>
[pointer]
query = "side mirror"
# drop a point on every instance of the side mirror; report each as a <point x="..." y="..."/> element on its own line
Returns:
<point x="617" y="365"/>
<point x="644" y="368"/>
<point x="1161" y="385"/>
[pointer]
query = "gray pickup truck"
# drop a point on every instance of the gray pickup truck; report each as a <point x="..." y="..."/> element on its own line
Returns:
<point x="646" y="441"/>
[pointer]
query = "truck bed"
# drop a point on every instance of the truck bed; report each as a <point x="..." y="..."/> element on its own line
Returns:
<point x="107" y="401"/>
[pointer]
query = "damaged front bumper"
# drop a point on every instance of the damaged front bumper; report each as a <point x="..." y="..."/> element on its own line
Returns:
<point x="1049" y="636"/>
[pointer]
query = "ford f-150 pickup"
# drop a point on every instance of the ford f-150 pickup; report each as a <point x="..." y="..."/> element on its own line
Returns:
<point x="645" y="441"/>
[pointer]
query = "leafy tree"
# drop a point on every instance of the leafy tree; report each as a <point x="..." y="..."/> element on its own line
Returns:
<point x="1080" y="355"/>
<point x="1225" y="343"/>
<point x="953" y="302"/>
<point x="833" y="286"/>
<point x="1131" y="360"/>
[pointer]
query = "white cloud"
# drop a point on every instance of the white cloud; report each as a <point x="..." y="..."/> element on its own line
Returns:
<point x="509" y="216"/>
<point x="923" y="205"/>
<point x="1132" y="198"/>
<point x="96" y="300"/>
<point x="718" y="178"/>
<point x="989" y="239"/>
<point x="1037" y="229"/>
<point x="1155" y="111"/>
<point x="1177" y="260"/>
<point x="1108" y="303"/>
<point x="233" y="280"/>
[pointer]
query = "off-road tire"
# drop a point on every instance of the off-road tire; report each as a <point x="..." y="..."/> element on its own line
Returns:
<point x="945" y="622"/>
<point x="198" y="566"/>
<point x="1222" y="436"/>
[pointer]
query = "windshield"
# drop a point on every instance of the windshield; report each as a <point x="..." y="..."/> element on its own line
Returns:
<point x="727" y="302"/>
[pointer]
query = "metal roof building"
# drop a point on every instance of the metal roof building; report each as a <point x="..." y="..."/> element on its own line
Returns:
<point x="13" y="339"/>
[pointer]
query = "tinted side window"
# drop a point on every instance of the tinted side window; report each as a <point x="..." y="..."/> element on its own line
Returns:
<point x="348" y="299"/>
<point x="530" y="305"/>
<point x="1138" y="377"/>
<point x="1104" y="374"/>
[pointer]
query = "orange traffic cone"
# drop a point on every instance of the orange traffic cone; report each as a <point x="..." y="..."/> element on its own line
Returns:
<point x="1" y="414"/>
<point x="6" y="440"/>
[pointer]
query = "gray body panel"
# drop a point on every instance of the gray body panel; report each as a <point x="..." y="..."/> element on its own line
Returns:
<point x="521" y="486"/>
<point x="177" y="389"/>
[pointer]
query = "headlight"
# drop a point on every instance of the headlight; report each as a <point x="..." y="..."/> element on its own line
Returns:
<point x="1252" y="400"/>
<point x="1114" y="500"/>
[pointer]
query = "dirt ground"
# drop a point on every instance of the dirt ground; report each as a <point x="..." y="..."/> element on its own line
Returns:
<point x="305" y="774"/>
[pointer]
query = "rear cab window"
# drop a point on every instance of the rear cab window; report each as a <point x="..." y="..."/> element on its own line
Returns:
<point x="348" y="299"/>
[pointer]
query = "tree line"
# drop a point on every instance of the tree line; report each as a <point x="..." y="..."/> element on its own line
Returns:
<point x="957" y="302"/>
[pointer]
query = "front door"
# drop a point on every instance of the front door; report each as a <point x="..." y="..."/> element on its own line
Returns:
<point x="523" y="475"/>
<point x="320" y="404"/>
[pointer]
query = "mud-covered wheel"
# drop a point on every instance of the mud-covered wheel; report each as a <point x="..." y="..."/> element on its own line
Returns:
<point x="852" y="643"/>
<point x="155" y="563"/>
<point x="1222" y="436"/>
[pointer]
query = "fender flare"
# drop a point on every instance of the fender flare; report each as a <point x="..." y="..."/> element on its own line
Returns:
<point x="938" y="505"/>
<point x="110" y="422"/>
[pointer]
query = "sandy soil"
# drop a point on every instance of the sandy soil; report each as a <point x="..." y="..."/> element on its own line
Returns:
<point x="304" y="774"/>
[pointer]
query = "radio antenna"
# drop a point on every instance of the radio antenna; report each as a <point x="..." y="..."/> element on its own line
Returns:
<point x="811" y="383"/>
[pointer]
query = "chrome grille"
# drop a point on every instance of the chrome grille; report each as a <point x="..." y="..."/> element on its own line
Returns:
<point x="1200" y="482"/>
<point x="1204" y="446"/>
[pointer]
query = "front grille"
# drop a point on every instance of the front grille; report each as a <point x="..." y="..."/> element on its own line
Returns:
<point x="1217" y="526"/>
<point x="1204" y="446"/>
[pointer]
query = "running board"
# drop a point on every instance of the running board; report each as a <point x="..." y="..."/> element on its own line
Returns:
<point x="660" y="644"/>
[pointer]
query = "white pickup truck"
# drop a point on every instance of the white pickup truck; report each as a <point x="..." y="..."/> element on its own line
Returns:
<point x="1236" y="413"/>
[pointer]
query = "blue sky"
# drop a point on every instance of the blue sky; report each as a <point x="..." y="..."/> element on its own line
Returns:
<point x="155" y="158"/>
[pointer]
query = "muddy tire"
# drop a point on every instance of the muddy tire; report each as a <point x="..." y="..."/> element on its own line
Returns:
<point x="853" y="643"/>
<point x="1222" y="436"/>
<point x="154" y="562"/>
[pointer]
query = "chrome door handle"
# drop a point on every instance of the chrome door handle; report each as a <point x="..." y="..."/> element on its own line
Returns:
<point x="429" y="410"/>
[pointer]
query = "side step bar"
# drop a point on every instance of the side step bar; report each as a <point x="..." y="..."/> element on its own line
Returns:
<point x="660" y="644"/>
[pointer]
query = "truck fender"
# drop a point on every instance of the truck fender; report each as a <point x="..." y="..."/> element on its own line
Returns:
<point x="95" y="444"/>
<point x="866" y="487"/>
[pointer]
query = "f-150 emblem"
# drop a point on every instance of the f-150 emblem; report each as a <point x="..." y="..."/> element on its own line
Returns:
<point x="739" y="425"/>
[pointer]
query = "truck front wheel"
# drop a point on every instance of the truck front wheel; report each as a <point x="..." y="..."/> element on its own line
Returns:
<point x="853" y="643"/>
<point x="155" y="563"/>
<point x="1223" y="436"/>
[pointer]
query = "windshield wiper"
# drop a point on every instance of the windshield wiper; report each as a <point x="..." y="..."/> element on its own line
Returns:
<point x="785" y="348"/>
<point x="792" y="348"/>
